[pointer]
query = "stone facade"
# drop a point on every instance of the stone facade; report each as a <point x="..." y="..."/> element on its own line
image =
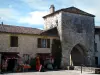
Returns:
<point x="77" y="29"/>
<point x="73" y="29"/>
<point x="27" y="44"/>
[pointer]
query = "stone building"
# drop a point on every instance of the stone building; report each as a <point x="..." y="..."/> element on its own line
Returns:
<point x="76" y="33"/>
<point x="20" y="44"/>
<point x="97" y="46"/>
<point x="68" y="36"/>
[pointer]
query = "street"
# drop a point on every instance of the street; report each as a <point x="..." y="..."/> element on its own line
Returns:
<point x="62" y="72"/>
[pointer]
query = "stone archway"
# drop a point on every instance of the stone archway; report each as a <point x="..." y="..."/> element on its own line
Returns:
<point x="78" y="55"/>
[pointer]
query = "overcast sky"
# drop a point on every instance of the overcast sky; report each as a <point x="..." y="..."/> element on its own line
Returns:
<point x="29" y="13"/>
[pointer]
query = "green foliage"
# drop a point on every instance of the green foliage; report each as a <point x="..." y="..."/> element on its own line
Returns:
<point x="33" y="63"/>
<point x="57" y="52"/>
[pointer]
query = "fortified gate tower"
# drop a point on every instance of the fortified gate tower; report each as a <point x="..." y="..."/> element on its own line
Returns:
<point x="76" y="33"/>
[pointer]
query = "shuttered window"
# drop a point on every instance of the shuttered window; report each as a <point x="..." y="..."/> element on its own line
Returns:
<point x="43" y="43"/>
<point x="39" y="42"/>
<point x="48" y="43"/>
<point x="13" y="41"/>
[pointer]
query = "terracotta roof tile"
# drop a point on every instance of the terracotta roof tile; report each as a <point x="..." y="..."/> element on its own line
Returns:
<point x="71" y="10"/>
<point x="19" y="29"/>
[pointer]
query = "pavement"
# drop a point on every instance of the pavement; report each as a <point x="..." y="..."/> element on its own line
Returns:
<point x="61" y="72"/>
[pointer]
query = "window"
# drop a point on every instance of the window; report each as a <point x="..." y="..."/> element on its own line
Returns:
<point x="13" y="41"/>
<point x="95" y="46"/>
<point x="43" y="43"/>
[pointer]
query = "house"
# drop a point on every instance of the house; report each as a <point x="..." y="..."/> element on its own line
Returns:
<point x="22" y="42"/>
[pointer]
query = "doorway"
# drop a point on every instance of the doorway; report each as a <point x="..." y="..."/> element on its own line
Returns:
<point x="96" y="61"/>
<point x="78" y="56"/>
<point x="11" y="64"/>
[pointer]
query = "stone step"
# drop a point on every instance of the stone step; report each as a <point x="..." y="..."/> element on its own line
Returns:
<point x="86" y="69"/>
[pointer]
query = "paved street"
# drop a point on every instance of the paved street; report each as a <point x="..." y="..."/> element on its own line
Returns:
<point x="63" y="72"/>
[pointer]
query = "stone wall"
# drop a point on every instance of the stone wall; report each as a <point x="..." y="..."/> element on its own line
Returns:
<point x="27" y="44"/>
<point x="73" y="29"/>
<point x="77" y="29"/>
<point x="54" y="21"/>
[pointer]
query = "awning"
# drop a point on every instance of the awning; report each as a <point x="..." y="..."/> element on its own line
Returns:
<point x="11" y="56"/>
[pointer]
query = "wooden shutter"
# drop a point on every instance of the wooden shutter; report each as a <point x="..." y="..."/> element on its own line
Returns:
<point x="14" y="41"/>
<point x="48" y="43"/>
<point x="39" y="43"/>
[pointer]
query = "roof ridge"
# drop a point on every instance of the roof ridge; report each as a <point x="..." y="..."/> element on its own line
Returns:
<point x="19" y="29"/>
<point x="71" y="11"/>
<point x="18" y="26"/>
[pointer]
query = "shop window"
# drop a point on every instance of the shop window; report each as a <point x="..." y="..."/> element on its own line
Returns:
<point x="13" y="41"/>
<point x="43" y="43"/>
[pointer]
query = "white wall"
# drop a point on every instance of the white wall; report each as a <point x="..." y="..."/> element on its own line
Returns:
<point x="51" y="21"/>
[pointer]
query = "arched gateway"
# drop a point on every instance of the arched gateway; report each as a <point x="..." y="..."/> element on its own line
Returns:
<point x="78" y="55"/>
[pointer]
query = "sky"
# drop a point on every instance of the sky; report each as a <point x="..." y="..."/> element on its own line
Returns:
<point x="29" y="13"/>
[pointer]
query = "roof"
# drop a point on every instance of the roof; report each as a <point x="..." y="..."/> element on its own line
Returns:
<point x="19" y="29"/>
<point x="51" y="32"/>
<point x="71" y="10"/>
<point x="97" y="27"/>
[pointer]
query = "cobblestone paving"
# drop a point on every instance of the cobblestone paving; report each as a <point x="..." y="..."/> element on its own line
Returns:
<point x="63" y="72"/>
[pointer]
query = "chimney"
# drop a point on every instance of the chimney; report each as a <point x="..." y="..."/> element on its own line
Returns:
<point x="52" y="9"/>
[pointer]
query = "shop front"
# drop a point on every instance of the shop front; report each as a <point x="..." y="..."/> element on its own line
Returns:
<point x="46" y="60"/>
<point x="8" y="61"/>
